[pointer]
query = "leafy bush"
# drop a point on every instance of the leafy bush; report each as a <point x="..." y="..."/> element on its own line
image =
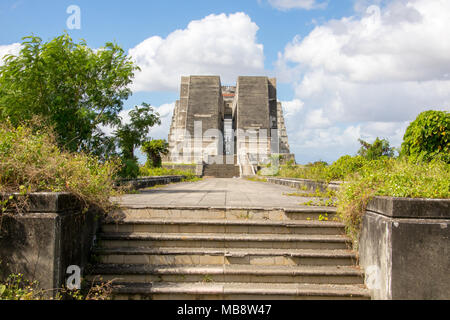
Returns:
<point x="129" y="168"/>
<point x="73" y="87"/>
<point x="428" y="137"/>
<point x="394" y="178"/>
<point x="32" y="162"/>
<point x="16" y="288"/>
<point x="344" y="166"/>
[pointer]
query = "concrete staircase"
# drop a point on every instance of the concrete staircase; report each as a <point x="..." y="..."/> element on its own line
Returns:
<point x="220" y="253"/>
<point x="221" y="170"/>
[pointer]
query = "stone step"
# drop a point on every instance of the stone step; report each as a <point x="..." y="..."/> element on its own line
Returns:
<point x="224" y="256"/>
<point x="227" y="273"/>
<point x="217" y="240"/>
<point x="221" y="171"/>
<point x="223" y="213"/>
<point x="237" y="291"/>
<point x="224" y="226"/>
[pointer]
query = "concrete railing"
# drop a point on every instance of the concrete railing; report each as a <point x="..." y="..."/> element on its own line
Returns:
<point x="147" y="182"/>
<point x="305" y="183"/>
<point x="181" y="167"/>
<point x="51" y="234"/>
<point x="404" y="248"/>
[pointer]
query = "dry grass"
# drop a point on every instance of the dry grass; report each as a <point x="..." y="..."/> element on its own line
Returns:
<point x="31" y="162"/>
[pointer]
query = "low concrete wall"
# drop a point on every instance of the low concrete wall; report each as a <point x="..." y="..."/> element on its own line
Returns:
<point x="404" y="248"/>
<point x="309" y="184"/>
<point x="148" y="182"/>
<point x="42" y="242"/>
<point x="182" y="167"/>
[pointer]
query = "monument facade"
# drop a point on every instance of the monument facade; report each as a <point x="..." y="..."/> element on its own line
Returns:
<point x="228" y="124"/>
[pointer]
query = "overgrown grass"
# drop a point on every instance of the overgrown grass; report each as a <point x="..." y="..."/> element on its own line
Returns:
<point x="15" y="287"/>
<point x="365" y="179"/>
<point x="390" y="177"/>
<point x="145" y="171"/>
<point x="256" y="179"/>
<point x="31" y="162"/>
<point x="309" y="171"/>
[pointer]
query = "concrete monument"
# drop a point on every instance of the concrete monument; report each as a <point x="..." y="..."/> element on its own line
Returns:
<point x="231" y="125"/>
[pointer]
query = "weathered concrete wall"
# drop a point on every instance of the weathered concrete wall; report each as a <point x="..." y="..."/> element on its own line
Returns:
<point x="148" y="182"/>
<point x="205" y="103"/>
<point x="253" y="103"/>
<point x="310" y="185"/>
<point x="254" y="117"/>
<point x="404" y="248"/>
<point x="201" y="101"/>
<point x="51" y="235"/>
<point x="180" y="167"/>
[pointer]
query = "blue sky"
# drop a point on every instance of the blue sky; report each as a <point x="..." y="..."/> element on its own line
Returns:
<point x="346" y="68"/>
<point x="130" y="22"/>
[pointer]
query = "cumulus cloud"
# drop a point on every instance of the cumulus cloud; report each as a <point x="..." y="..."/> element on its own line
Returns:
<point x="292" y="108"/>
<point x="12" y="49"/>
<point x="297" y="4"/>
<point x="370" y="75"/>
<point x="224" y="45"/>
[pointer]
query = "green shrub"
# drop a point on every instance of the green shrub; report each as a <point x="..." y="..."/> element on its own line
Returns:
<point x="394" y="178"/>
<point x="428" y="137"/>
<point x="344" y="166"/>
<point x="314" y="171"/>
<point x="73" y="87"/>
<point x="32" y="162"/>
<point x="16" y="288"/>
<point x="129" y="169"/>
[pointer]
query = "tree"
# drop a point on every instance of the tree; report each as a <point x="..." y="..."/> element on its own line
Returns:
<point x="380" y="148"/>
<point x="427" y="137"/>
<point x="133" y="134"/>
<point x="74" y="88"/>
<point x="154" y="150"/>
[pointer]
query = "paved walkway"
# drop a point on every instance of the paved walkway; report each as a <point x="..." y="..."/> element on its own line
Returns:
<point x="216" y="193"/>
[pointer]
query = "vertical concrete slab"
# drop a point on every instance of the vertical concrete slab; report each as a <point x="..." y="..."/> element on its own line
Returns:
<point x="404" y="248"/>
<point x="42" y="242"/>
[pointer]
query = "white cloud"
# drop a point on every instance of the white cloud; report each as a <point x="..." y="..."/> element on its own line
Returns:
<point x="368" y="76"/>
<point x="291" y="108"/>
<point x="316" y="119"/>
<point x="13" y="49"/>
<point x="297" y="4"/>
<point x="224" y="45"/>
